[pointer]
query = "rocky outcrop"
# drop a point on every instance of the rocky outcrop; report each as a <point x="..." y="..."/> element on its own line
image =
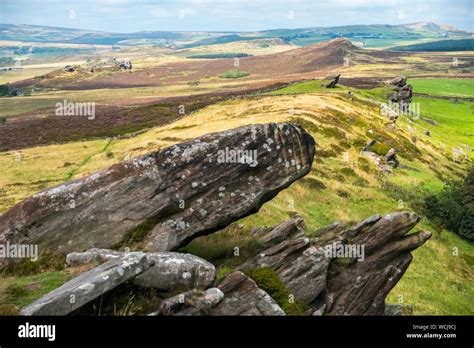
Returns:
<point x="342" y="269"/>
<point x="402" y="93"/>
<point x="346" y="270"/>
<point x="163" y="200"/>
<point x="89" y="285"/>
<point x="333" y="81"/>
<point x="242" y="296"/>
<point x="170" y="270"/>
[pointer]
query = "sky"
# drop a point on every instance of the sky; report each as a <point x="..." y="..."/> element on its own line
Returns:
<point x="126" y="16"/>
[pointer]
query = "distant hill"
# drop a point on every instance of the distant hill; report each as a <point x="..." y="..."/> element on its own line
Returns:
<point x="301" y="37"/>
<point x="439" y="46"/>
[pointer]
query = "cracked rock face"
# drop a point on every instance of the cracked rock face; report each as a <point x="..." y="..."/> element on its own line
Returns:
<point x="300" y="266"/>
<point x="168" y="197"/>
<point x="89" y="285"/>
<point x="242" y="296"/>
<point x="345" y="270"/>
<point x="360" y="287"/>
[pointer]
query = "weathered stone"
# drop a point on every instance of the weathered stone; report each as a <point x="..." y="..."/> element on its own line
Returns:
<point x="167" y="197"/>
<point x="170" y="270"/>
<point x="300" y="266"/>
<point x="396" y="309"/>
<point x="399" y="81"/>
<point x="89" y="285"/>
<point x="360" y="287"/>
<point x="193" y="302"/>
<point x="333" y="82"/>
<point x="92" y="255"/>
<point x="175" y="270"/>
<point x="288" y="229"/>
<point x="243" y="297"/>
<point x="391" y="158"/>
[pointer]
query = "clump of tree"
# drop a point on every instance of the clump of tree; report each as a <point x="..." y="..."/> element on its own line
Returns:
<point x="219" y="55"/>
<point x="453" y="208"/>
<point x="4" y="90"/>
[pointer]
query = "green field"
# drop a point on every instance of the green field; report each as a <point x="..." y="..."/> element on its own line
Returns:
<point x="444" y="87"/>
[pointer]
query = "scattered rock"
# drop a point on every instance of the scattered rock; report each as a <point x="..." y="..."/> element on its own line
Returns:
<point x="69" y="68"/>
<point x="89" y="285"/>
<point x="368" y="147"/>
<point x="165" y="199"/>
<point x="459" y="153"/>
<point x="430" y="121"/>
<point x="243" y="297"/>
<point x="397" y="310"/>
<point x="193" y="302"/>
<point x="391" y="158"/>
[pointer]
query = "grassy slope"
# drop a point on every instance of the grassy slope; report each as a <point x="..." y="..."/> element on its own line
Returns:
<point x="342" y="185"/>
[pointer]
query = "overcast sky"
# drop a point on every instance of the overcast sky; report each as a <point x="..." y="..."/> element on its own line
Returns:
<point x="231" y="15"/>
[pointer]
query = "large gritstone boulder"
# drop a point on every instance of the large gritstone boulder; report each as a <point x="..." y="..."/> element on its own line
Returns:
<point x="165" y="199"/>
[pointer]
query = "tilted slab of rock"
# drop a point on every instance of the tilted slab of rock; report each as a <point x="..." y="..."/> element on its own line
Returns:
<point x="360" y="287"/>
<point x="89" y="285"/>
<point x="168" y="197"/>
<point x="170" y="270"/>
<point x="193" y="302"/>
<point x="242" y="296"/>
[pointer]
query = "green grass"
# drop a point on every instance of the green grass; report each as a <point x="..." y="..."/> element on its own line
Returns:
<point x="455" y="120"/>
<point x="444" y="87"/>
<point x="20" y="291"/>
<point x="438" y="282"/>
<point x="268" y="280"/>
